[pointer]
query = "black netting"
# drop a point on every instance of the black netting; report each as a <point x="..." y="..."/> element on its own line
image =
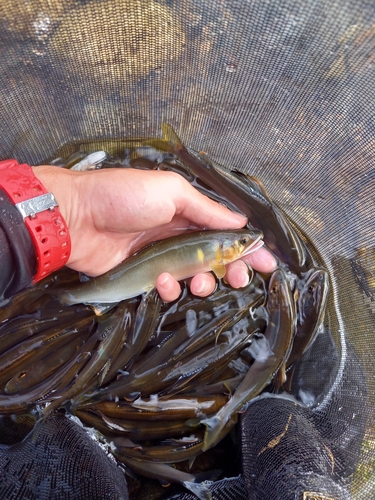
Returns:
<point x="289" y="449"/>
<point x="283" y="90"/>
<point x="57" y="460"/>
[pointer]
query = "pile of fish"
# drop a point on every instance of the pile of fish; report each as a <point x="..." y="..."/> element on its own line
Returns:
<point x="164" y="383"/>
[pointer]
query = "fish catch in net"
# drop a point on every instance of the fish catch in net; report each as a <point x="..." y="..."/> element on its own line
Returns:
<point x="161" y="385"/>
<point x="279" y="96"/>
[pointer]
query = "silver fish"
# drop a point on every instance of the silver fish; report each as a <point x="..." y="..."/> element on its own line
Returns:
<point x="183" y="256"/>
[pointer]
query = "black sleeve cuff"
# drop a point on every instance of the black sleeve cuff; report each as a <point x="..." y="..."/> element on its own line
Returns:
<point x="17" y="253"/>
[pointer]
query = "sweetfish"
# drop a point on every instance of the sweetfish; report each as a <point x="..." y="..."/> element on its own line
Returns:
<point x="182" y="256"/>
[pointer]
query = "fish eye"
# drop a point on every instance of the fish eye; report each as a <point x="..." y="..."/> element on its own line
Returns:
<point x="244" y="240"/>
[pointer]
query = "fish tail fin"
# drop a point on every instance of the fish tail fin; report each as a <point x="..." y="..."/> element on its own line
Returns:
<point x="170" y="135"/>
<point x="214" y="430"/>
<point x="200" y="490"/>
<point x="214" y="426"/>
<point x="201" y="482"/>
<point x="217" y="427"/>
<point x="171" y="142"/>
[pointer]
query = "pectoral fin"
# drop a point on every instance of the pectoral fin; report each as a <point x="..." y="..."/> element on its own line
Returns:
<point x="218" y="269"/>
<point x="101" y="309"/>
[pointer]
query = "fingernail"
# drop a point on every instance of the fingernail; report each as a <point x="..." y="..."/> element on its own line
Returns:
<point x="243" y="279"/>
<point x="204" y="288"/>
<point x="164" y="281"/>
<point x="242" y="220"/>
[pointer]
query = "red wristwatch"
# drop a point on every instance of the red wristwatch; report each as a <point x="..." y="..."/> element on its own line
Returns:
<point x="40" y="213"/>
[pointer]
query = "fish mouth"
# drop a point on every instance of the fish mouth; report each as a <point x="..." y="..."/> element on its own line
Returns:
<point x="256" y="244"/>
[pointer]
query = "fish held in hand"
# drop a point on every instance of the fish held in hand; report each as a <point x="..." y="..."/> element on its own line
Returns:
<point x="182" y="256"/>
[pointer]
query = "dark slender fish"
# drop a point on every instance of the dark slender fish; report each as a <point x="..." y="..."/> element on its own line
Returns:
<point x="166" y="474"/>
<point x="19" y="329"/>
<point x="39" y="394"/>
<point x="227" y="386"/>
<point x="165" y="352"/>
<point x="27" y="300"/>
<point x="172" y="376"/>
<point x="217" y="369"/>
<point x="156" y="408"/>
<point x="33" y="373"/>
<point x="233" y="316"/>
<point x="212" y="372"/>
<point x="230" y="344"/>
<point x="311" y="306"/>
<point x="16" y="305"/>
<point x="74" y="158"/>
<point x="143" y="164"/>
<point x="165" y="453"/>
<point x="113" y="332"/>
<point x="38" y="346"/>
<point x="134" y="429"/>
<point x="262" y="214"/>
<point x="278" y="335"/>
<point x="142" y="327"/>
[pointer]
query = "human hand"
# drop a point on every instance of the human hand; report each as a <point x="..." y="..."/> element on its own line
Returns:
<point x="112" y="213"/>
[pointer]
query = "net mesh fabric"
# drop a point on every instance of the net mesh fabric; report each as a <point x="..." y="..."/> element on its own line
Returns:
<point x="282" y="90"/>
<point x="58" y="460"/>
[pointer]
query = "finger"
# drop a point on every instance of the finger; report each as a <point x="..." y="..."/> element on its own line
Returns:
<point x="261" y="260"/>
<point x="202" y="284"/>
<point x="169" y="289"/>
<point x="205" y="212"/>
<point x="237" y="274"/>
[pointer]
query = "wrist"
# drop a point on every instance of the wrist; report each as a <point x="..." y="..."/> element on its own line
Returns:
<point x="67" y="187"/>
<point x="57" y="181"/>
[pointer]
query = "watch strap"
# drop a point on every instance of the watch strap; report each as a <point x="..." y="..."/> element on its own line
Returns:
<point x="41" y="215"/>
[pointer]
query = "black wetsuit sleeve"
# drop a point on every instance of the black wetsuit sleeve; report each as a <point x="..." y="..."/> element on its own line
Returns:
<point x="17" y="253"/>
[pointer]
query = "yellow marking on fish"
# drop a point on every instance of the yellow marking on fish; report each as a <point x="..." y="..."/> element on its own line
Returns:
<point x="219" y="254"/>
<point x="275" y="441"/>
<point x="231" y="253"/>
<point x="200" y="255"/>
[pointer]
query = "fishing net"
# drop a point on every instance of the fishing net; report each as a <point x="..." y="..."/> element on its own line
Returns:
<point x="282" y="90"/>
